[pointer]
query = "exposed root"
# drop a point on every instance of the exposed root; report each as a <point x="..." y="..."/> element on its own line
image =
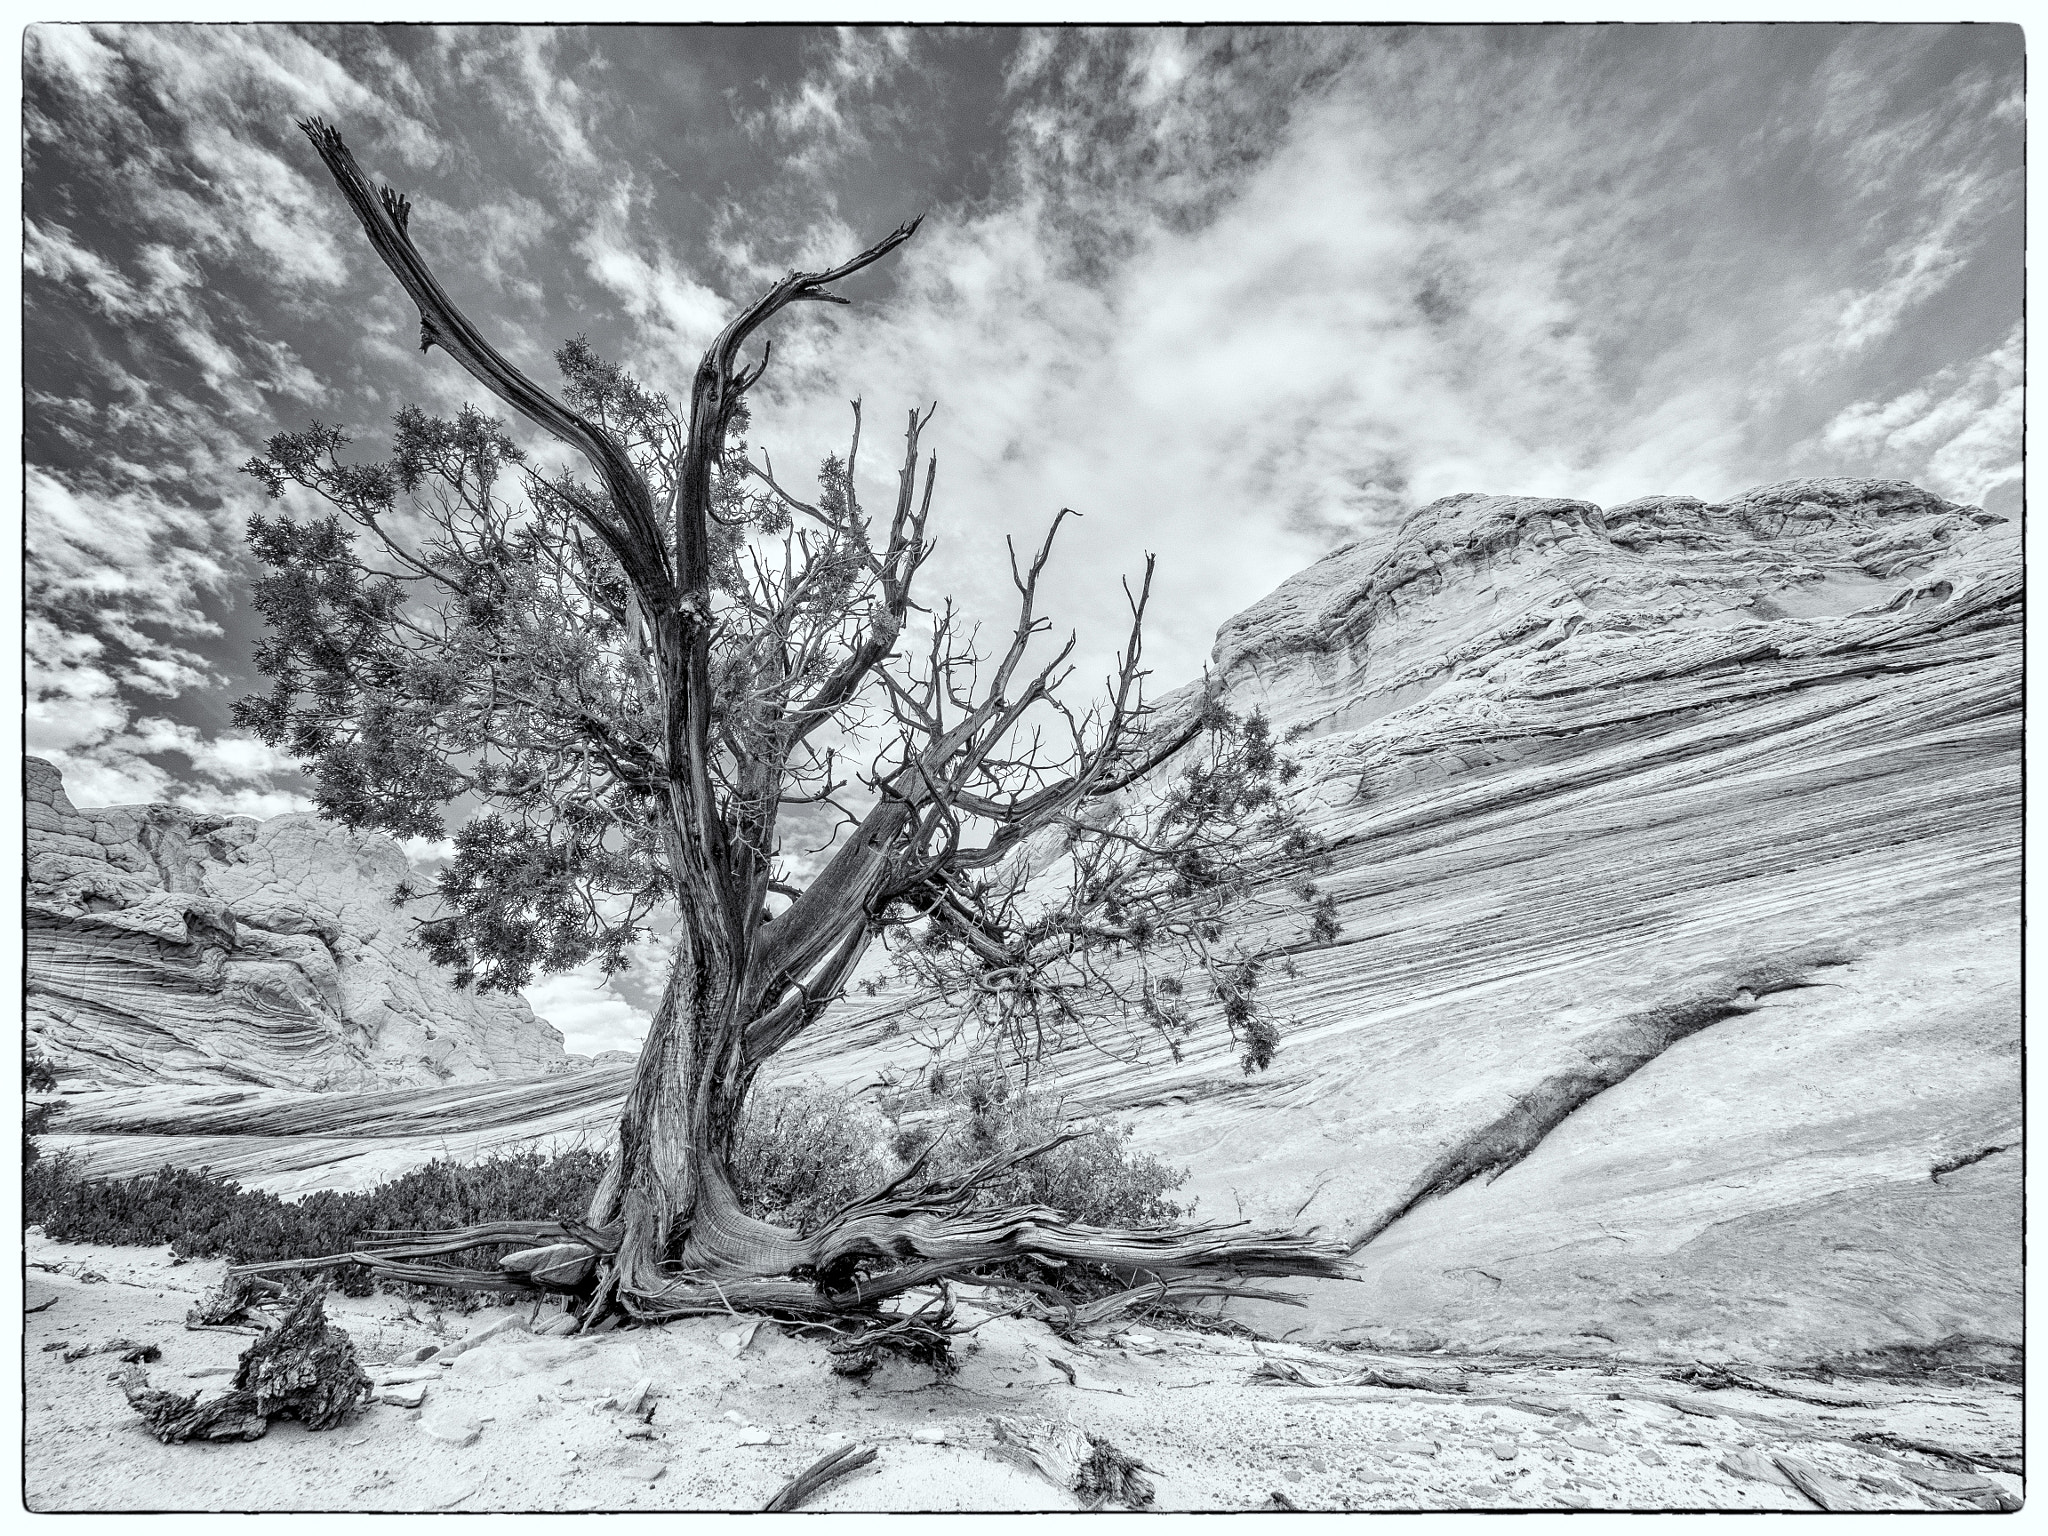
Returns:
<point x="897" y="1240"/>
<point x="923" y="1337"/>
<point x="1161" y="1296"/>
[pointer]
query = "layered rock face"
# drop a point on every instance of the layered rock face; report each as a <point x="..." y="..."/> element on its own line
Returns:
<point x="1676" y="1003"/>
<point x="1677" y="853"/>
<point x="166" y="946"/>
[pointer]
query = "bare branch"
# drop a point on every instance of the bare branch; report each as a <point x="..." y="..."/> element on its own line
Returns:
<point x="636" y="537"/>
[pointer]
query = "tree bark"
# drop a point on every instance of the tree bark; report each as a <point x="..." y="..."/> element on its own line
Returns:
<point x="669" y="1195"/>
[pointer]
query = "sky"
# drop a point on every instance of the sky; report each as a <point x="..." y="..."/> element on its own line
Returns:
<point x="1237" y="296"/>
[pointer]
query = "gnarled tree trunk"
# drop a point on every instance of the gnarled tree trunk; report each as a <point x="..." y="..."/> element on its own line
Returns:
<point x="668" y="1195"/>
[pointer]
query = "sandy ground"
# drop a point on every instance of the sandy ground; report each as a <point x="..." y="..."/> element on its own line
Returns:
<point x="737" y="1410"/>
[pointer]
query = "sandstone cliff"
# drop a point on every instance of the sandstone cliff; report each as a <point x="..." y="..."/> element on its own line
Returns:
<point x="1675" y="1006"/>
<point x="1677" y="853"/>
<point x="165" y="946"/>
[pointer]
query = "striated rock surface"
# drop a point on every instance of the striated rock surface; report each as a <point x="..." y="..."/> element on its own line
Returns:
<point x="1676" y="1004"/>
<point x="166" y="946"/>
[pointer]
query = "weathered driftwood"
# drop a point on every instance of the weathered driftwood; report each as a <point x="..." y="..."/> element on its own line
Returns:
<point x="1085" y="1465"/>
<point x="229" y="1302"/>
<point x="305" y="1368"/>
<point x="1364" y="1376"/>
<point x="131" y="1351"/>
<point x="174" y="1419"/>
<point x="828" y="1468"/>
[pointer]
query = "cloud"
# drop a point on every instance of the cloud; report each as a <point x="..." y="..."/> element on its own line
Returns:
<point x="1322" y="349"/>
<point x="590" y="1015"/>
<point x="1916" y="270"/>
<point x="678" y="315"/>
<point x="845" y="100"/>
<point x="1958" y="433"/>
<point x="151" y="560"/>
<point x="71" y="702"/>
<point x="1235" y="294"/>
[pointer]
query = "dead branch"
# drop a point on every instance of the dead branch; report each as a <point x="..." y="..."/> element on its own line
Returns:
<point x="828" y="1468"/>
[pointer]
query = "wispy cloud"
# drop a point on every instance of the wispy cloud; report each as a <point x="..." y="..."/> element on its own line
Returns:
<point x="1958" y="433"/>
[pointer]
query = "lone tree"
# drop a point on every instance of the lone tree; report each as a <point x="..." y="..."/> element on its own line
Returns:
<point x="629" y="685"/>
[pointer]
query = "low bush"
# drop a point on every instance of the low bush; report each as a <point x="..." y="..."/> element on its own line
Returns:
<point x="1096" y="1180"/>
<point x="201" y="1214"/>
<point x="799" y="1158"/>
<point x="37" y="1076"/>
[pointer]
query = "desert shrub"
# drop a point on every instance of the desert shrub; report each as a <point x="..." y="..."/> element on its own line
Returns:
<point x="201" y="1214"/>
<point x="1096" y="1180"/>
<point x="37" y="1076"/>
<point x="43" y="1181"/>
<point x="800" y="1157"/>
<point x="1323" y="927"/>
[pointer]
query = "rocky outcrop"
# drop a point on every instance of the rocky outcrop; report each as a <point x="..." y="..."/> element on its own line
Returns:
<point x="166" y="946"/>
<point x="1587" y="776"/>
<point x="1675" y="1004"/>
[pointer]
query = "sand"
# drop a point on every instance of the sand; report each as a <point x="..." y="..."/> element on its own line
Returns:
<point x="731" y="1411"/>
